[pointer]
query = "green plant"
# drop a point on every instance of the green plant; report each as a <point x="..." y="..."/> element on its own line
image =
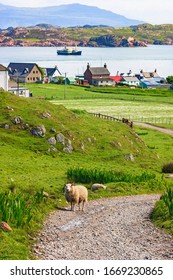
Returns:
<point x="84" y="175"/>
<point x="168" y="200"/>
<point x="167" y="168"/>
<point x="19" y="209"/>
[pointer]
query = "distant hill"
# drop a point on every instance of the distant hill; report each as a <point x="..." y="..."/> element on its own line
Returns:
<point x="62" y="15"/>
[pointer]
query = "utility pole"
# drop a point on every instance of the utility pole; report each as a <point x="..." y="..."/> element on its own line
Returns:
<point x="65" y="85"/>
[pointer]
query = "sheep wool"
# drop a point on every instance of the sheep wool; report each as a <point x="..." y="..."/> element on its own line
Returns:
<point x="76" y="195"/>
<point x="97" y="186"/>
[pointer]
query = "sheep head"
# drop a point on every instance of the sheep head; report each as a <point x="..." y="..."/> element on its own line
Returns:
<point x="68" y="187"/>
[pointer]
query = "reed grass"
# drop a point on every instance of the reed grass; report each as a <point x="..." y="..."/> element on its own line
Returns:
<point x="18" y="209"/>
<point x="84" y="175"/>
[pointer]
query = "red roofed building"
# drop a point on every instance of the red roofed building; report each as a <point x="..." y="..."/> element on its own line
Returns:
<point x="117" y="79"/>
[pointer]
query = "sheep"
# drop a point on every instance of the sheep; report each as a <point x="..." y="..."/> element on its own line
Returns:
<point x="76" y="195"/>
<point x="97" y="186"/>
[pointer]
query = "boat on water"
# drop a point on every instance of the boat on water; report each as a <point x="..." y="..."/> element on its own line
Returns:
<point x="69" y="51"/>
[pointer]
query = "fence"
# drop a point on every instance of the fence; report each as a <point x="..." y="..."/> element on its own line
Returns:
<point x="110" y="118"/>
<point x="151" y="120"/>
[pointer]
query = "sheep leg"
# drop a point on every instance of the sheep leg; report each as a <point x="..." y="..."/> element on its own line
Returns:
<point x="82" y="205"/>
<point x="72" y="206"/>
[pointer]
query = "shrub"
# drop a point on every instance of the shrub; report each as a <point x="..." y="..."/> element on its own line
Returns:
<point x="168" y="168"/>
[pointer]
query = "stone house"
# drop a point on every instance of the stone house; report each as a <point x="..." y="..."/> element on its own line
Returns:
<point x="3" y="78"/>
<point x="24" y="72"/>
<point x="96" y="75"/>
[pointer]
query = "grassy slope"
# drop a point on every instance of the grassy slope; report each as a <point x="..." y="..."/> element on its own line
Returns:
<point x="25" y="159"/>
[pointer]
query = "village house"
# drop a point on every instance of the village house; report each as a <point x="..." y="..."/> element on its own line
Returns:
<point x="20" y="91"/>
<point x="151" y="80"/>
<point x="117" y="79"/>
<point x="3" y="78"/>
<point x="99" y="76"/>
<point x="24" y="72"/>
<point x="51" y="74"/>
<point x="130" y="81"/>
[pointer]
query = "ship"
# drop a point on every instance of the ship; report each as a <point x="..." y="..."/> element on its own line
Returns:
<point x="69" y="51"/>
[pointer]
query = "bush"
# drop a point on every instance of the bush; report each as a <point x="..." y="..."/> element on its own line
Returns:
<point x="168" y="168"/>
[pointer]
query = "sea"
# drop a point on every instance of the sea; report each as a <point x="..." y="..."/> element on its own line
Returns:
<point x="118" y="60"/>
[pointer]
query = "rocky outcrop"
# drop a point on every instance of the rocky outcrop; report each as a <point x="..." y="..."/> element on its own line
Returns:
<point x="113" y="41"/>
<point x="55" y="37"/>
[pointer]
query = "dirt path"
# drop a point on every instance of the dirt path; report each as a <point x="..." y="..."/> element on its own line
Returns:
<point x="158" y="128"/>
<point x="113" y="228"/>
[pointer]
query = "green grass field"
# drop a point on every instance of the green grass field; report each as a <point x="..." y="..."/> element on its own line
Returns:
<point x="29" y="167"/>
<point x="142" y="105"/>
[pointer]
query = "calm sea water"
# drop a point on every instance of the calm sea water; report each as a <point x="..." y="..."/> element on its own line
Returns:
<point x="117" y="59"/>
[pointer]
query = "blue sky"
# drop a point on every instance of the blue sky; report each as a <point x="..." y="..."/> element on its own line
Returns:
<point x="152" y="11"/>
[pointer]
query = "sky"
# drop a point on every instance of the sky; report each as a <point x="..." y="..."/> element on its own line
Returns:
<point x="151" y="11"/>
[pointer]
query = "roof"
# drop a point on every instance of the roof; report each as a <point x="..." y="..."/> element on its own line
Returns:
<point x="50" y="71"/>
<point x="99" y="71"/>
<point x="116" y="78"/>
<point x="150" y="74"/>
<point x="21" y="68"/>
<point x="130" y="79"/>
<point x="3" y="68"/>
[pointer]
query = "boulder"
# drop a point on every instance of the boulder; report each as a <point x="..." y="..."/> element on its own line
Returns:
<point x="38" y="131"/>
<point x="52" y="148"/>
<point x="17" y="120"/>
<point x="51" y="140"/>
<point x="60" y="138"/>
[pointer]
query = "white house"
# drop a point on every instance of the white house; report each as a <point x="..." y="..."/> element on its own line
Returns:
<point x="3" y="77"/>
<point x="131" y="81"/>
<point x="51" y="74"/>
<point x="20" y="91"/>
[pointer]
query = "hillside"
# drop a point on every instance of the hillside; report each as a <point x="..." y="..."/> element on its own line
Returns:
<point x="42" y="145"/>
<point x="103" y="143"/>
<point x="62" y="15"/>
<point x="89" y="36"/>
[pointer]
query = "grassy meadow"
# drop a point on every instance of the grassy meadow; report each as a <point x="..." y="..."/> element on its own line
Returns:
<point x="33" y="172"/>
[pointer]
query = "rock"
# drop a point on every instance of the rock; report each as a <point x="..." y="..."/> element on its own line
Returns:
<point x="51" y="140"/>
<point x="45" y="194"/>
<point x="38" y="131"/>
<point x="52" y="148"/>
<point x="47" y="115"/>
<point x="53" y="130"/>
<point x="10" y="108"/>
<point x="60" y="138"/>
<point x="97" y="186"/>
<point x="67" y="150"/>
<point x="6" y="126"/>
<point x="17" y="120"/>
<point x="82" y="146"/>
<point x="129" y="157"/>
<point x="4" y="226"/>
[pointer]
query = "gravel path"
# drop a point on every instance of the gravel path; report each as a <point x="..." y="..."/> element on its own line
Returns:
<point x="110" y="229"/>
<point x="158" y="128"/>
